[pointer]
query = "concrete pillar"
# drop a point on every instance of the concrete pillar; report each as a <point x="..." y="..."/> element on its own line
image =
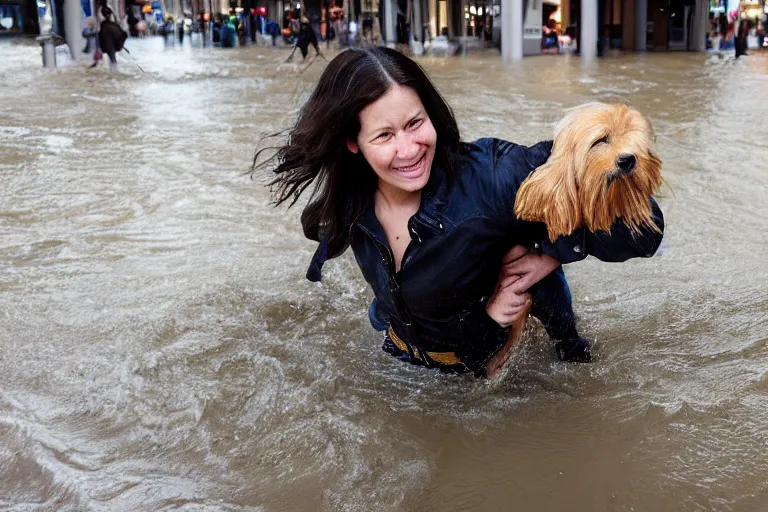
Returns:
<point x="588" y="30"/>
<point x="641" y="25"/>
<point x="512" y="30"/>
<point x="699" y="26"/>
<point x="434" y="30"/>
<point x="451" y="18"/>
<point x="417" y="28"/>
<point x="628" y="25"/>
<point x="73" y="27"/>
<point x="389" y="21"/>
<point x="348" y="14"/>
<point x="463" y="18"/>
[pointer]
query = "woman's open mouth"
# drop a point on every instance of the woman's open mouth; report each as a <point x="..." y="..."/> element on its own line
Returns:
<point x="412" y="171"/>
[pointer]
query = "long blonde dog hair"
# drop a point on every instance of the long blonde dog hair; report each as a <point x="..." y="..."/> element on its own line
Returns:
<point x="581" y="183"/>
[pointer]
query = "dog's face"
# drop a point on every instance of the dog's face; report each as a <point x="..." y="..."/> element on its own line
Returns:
<point x="603" y="166"/>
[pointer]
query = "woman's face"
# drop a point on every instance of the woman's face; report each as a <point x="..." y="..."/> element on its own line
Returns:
<point x="397" y="139"/>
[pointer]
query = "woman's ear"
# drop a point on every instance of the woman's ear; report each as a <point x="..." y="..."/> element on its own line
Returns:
<point x="352" y="146"/>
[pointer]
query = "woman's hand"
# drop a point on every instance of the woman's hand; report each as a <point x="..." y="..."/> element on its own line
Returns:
<point x="520" y="270"/>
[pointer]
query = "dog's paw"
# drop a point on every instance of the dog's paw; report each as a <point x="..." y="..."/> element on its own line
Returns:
<point x="574" y="350"/>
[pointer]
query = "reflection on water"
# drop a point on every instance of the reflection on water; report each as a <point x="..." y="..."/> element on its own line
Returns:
<point x="160" y="347"/>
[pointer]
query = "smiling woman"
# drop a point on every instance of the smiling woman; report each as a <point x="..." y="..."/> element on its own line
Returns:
<point x="431" y="219"/>
<point x="397" y="140"/>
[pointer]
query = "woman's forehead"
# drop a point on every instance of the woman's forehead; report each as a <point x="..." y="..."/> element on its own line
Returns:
<point x="398" y="105"/>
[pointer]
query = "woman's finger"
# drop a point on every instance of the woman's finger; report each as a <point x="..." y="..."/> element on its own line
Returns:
<point x="514" y="299"/>
<point x="521" y="265"/>
<point x="514" y="253"/>
<point x="520" y="286"/>
<point x="508" y="281"/>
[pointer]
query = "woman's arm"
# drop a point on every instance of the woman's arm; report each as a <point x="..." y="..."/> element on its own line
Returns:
<point x="619" y="245"/>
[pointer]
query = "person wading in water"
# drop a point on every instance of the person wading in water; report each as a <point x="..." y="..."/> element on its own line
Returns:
<point x="430" y="219"/>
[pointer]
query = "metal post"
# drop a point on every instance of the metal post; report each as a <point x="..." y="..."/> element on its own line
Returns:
<point x="49" y="50"/>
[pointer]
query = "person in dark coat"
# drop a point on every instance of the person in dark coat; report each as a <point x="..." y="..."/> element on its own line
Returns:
<point x="307" y="36"/>
<point x="111" y="37"/>
<point x="227" y="34"/>
<point x="741" y="39"/>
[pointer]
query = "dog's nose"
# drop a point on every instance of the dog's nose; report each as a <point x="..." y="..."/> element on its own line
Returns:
<point x="626" y="163"/>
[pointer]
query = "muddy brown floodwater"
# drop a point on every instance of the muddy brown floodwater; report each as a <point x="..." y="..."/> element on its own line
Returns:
<point x="160" y="348"/>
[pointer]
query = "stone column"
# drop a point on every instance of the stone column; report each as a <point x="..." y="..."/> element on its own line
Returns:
<point x="73" y="27"/>
<point x="434" y="30"/>
<point x="389" y="21"/>
<point x="511" y="30"/>
<point x="628" y="25"/>
<point x="463" y="18"/>
<point x="588" y="30"/>
<point x="451" y="21"/>
<point x="416" y="28"/>
<point x="641" y="25"/>
<point x="699" y="26"/>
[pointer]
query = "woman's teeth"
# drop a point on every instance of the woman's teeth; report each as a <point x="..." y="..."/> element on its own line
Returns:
<point x="410" y="167"/>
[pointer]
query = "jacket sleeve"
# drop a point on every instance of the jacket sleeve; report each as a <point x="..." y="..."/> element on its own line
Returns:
<point x="513" y="163"/>
<point x="620" y="245"/>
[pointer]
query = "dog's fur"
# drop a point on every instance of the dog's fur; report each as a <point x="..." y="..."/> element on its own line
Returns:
<point x="582" y="184"/>
<point x="603" y="166"/>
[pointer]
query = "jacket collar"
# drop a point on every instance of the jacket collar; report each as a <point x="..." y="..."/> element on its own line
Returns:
<point x="425" y="223"/>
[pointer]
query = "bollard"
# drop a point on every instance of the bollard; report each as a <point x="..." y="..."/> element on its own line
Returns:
<point x="48" y="43"/>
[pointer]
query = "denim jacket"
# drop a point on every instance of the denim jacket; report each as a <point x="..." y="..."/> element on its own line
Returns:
<point x="437" y="300"/>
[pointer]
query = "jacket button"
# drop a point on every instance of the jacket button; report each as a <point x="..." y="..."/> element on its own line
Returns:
<point x="577" y="249"/>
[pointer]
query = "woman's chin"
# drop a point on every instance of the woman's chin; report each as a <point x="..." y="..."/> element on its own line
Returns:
<point x="413" y="184"/>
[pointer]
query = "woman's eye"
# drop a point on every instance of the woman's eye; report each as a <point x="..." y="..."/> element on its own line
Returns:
<point x="601" y="140"/>
<point x="382" y="137"/>
<point x="416" y="123"/>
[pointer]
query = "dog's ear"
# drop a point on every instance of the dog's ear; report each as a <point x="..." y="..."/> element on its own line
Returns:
<point x="549" y="195"/>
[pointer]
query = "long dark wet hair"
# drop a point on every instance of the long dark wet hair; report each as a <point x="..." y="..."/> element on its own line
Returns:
<point x="316" y="150"/>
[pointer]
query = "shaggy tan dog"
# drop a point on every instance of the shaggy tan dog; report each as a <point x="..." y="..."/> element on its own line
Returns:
<point x="603" y="166"/>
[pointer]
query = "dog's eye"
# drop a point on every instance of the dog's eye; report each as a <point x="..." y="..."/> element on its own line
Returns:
<point x="600" y="141"/>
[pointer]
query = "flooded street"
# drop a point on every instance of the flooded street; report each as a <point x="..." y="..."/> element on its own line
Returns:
<point x="161" y="349"/>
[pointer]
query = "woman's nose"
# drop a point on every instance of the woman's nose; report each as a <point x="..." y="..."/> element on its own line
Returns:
<point x="407" y="148"/>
